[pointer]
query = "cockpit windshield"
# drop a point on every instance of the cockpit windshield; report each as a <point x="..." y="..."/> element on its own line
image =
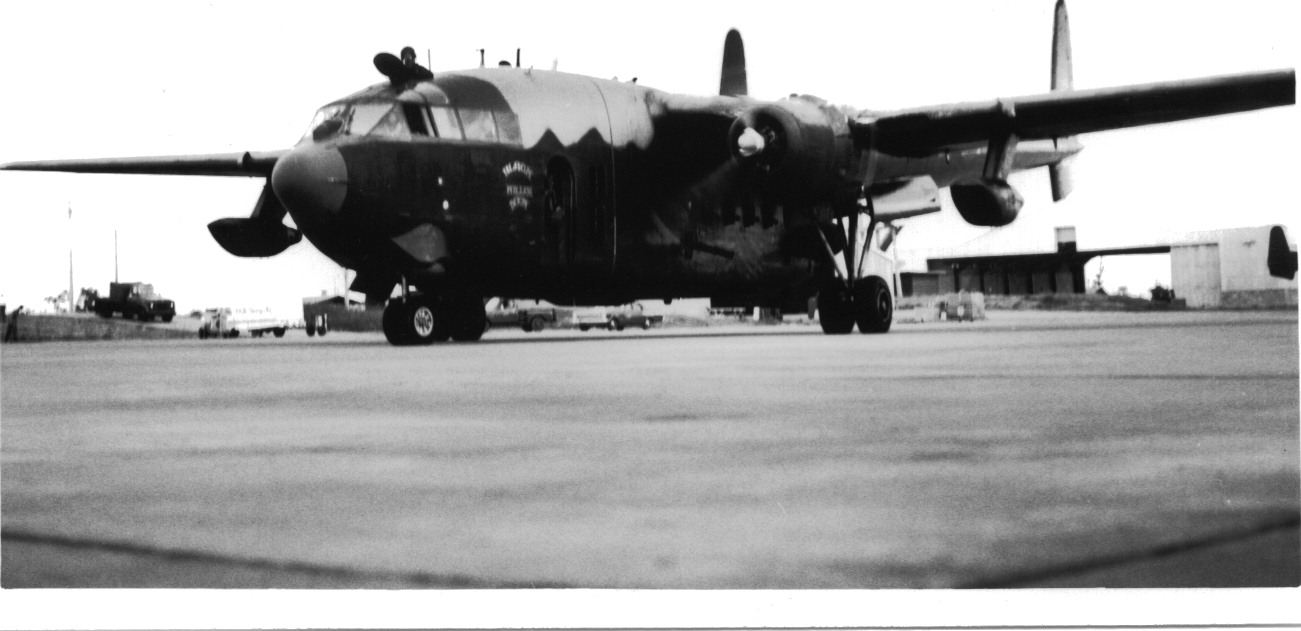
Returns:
<point x="357" y="119"/>
<point x="405" y="120"/>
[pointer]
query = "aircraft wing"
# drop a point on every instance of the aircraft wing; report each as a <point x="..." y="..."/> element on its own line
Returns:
<point x="247" y="164"/>
<point x="923" y="131"/>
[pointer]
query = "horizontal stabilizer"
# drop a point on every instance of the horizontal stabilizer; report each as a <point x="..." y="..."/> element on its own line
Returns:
<point x="892" y="201"/>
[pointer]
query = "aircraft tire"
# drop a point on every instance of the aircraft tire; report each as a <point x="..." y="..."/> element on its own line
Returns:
<point x="873" y="306"/>
<point x="410" y="322"/>
<point x="835" y="310"/>
<point x="390" y="322"/>
<point x="466" y="321"/>
<point x="279" y="332"/>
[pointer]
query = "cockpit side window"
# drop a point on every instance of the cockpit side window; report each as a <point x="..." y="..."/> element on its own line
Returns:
<point x="508" y="128"/>
<point x="478" y="124"/>
<point x="445" y="122"/>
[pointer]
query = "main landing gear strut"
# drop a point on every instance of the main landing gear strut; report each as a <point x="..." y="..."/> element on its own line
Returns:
<point x="847" y="297"/>
<point x="423" y="319"/>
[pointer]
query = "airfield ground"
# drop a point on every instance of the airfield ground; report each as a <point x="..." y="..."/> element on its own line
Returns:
<point x="1031" y="449"/>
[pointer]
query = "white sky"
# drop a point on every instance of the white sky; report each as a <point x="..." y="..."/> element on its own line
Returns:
<point x="86" y="80"/>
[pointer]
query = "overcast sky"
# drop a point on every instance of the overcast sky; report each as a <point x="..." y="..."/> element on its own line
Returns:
<point x="86" y="80"/>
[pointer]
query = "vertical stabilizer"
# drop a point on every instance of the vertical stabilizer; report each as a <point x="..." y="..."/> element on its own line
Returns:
<point x="1062" y="79"/>
<point x="733" y="81"/>
<point x="1059" y="175"/>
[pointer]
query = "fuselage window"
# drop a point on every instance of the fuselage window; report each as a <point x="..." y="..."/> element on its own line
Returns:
<point x="445" y="122"/>
<point x="478" y="124"/>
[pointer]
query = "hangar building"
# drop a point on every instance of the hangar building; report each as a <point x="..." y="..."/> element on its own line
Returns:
<point x="1221" y="268"/>
<point x="1226" y="268"/>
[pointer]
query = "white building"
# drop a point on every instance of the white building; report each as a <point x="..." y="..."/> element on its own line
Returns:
<point x="1227" y="268"/>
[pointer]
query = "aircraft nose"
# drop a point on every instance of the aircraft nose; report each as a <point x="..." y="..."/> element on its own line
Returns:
<point x="311" y="181"/>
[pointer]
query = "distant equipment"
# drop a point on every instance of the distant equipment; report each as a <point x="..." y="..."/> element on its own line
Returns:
<point x="133" y="300"/>
<point x="226" y="322"/>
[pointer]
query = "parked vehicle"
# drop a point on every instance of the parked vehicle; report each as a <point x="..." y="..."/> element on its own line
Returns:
<point x="634" y="315"/>
<point x="615" y="318"/>
<point x="132" y="300"/>
<point x="508" y="312"/>
<point x="226" y="322"/>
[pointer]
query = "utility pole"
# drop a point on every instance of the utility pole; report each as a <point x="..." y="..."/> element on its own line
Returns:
<point x="115" y="255"/>
<point x="71" y="297"/>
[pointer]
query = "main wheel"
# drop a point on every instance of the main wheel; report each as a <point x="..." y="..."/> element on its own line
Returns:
<point x="873" y="305"/>
<point x="835" y="308"/>
<point x="408" y="322"/>
<point x="466" y="319"/>
<point x="279" y="331"/>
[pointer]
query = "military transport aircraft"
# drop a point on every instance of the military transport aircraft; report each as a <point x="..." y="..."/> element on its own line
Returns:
<point x="505" y="181"/>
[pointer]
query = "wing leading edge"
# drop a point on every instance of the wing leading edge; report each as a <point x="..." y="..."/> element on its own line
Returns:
<point x="247" y="164"/>
<point x="922" y="131"/>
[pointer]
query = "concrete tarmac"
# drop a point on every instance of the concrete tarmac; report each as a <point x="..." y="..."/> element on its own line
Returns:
<point x="1032" y="449"/>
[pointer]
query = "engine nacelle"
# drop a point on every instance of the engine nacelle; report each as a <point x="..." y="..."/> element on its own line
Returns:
<point x="252" y="237"/>
<point x="991" y="203"/>
<point x="796" y="150"/>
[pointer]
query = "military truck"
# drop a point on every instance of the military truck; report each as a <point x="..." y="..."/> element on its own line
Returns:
<point x="134" y="300"/>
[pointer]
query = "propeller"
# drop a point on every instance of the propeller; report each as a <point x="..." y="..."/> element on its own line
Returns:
<point x="399" y="72"/>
